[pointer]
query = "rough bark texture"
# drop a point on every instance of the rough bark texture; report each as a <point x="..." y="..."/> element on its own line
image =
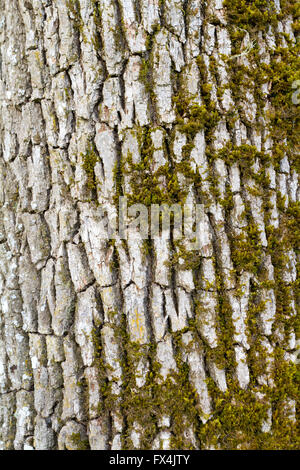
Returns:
<point x="147" y="344"/>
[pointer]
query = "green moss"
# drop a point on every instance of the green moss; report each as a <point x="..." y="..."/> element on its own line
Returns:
<point x="251" y="14"/>
<point x="246" y="249"/>
<point x="192" y="117"/>
<point x="238" y="414"/>
<point x="89" y="160"/>
<point x="279" y="73"/>
<point x="172" y="397"/>
<point x="146" y="187"/>
<point x="79" y="443"/>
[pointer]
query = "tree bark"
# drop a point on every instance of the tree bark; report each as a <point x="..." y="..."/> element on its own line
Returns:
<point x="147" y="344"/>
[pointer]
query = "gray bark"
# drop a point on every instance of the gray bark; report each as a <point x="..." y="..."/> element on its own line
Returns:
<point x="108" y="344"/>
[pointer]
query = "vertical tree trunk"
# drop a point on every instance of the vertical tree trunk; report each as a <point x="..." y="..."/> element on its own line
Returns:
<point x="133" y="343"/>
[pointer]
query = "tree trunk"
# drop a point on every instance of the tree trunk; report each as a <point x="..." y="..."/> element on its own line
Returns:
<point x="111" y="342"/>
